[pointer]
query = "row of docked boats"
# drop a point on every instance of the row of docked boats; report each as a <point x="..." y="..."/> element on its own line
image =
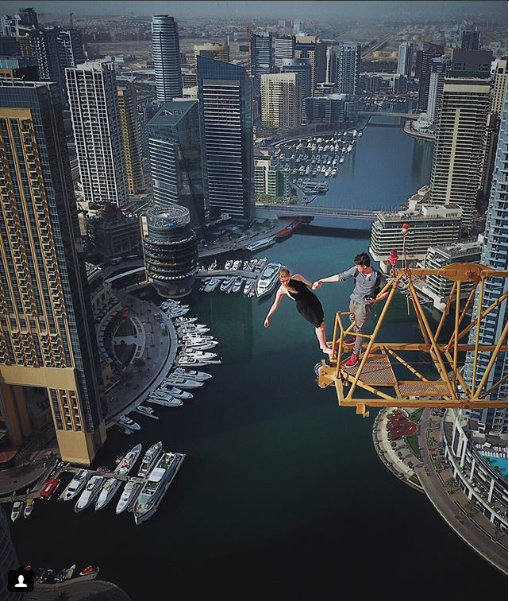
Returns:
<point x="141" y="494"/>
<point x="50" y="576"/>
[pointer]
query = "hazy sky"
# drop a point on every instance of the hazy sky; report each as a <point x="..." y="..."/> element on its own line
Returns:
<point x="290" y="10"/>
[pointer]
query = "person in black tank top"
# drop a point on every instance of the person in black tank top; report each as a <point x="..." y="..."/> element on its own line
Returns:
<point x="297" y="288"/>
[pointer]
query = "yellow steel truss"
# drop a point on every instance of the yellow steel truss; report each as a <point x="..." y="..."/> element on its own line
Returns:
<point x="447" y="386"/>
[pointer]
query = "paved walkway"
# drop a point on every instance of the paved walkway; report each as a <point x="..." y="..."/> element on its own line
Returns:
<point x="476" y="530"/>
<point x="158" y="353"/>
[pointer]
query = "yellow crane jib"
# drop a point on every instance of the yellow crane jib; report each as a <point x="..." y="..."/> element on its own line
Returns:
<point x="373" y="382"/>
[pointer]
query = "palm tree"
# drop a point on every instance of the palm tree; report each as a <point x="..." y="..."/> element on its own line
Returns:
<point x="472" y="507"/>
<point x="452" y="486"/>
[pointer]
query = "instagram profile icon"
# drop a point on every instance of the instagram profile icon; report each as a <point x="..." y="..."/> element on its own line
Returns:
<point x="20" y="580"/>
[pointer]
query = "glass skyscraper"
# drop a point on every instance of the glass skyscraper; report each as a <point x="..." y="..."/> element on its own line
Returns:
<point x="166" y="56"/>
<point x="494" y="255"/>
<point x="47" y="337"/>
<point x="224" y="92"/>
<point x="175" y="159"/>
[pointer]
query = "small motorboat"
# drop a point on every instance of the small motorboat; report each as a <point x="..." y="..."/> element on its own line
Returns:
<point x="191" y="374"/>
<point x="127" y="422"/>
<point x="70" y="572"/>
<point x="17" y="510"/>
<point x="60" y="575"/>
<point x="75" y="486"/>
<point x="148" y="411"/>
<point x="29" y="507"/>
<point x="128" y="495"/>
<point x="46" y="576"/>
<point x="176" y="393"/>
<point x="183" y="382"/>
<point x="49" y="488"/>
<point x="90" y="571"/>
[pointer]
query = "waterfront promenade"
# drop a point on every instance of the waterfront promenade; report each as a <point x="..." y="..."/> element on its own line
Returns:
<point x="435" y="481"/>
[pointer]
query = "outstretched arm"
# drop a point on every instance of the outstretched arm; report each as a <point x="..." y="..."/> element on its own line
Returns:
<point x="331" y="278"/>
<point x="279" y="295"/>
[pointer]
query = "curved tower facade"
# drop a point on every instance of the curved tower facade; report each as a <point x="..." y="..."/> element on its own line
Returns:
<point x="171" y="250"/>
<point x="166" y="56"/>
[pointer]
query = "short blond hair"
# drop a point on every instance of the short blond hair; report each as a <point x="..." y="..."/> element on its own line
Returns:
<point x="285" y="272"/>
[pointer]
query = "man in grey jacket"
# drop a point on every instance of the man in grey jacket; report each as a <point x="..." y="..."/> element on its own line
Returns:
<point x="368" y="284"/>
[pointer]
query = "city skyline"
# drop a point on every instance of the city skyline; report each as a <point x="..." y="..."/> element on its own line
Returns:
<point x="275" y="10"/>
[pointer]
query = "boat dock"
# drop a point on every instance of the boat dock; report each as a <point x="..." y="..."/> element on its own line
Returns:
<point x="227" y="273"/>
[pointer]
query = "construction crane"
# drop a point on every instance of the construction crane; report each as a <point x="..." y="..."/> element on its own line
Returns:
<point x="446" y="386"/>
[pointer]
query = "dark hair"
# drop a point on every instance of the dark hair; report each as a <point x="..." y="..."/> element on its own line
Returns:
<point x="363" y="259"/>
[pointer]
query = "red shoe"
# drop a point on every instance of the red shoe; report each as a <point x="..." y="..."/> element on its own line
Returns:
<point x="352" y="361"/>
<point x="349" y="341"/>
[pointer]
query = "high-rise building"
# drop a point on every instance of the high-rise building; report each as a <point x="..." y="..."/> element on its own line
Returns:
<point x="95" y="118"/>
<point x="439" y="288"/>
<point x="298" y="27"/>
<point x="494" y="255"/>
<point x="269" y="180"/>
<point x="301" y="66"/>
<point x="470" y="40"/>
<point x="166" y="56"/>
<point x="261" y="53"/>
<point x="470" y="63"/>
<point x="405" y="58"/>
<point x="128" y="110"/>
<point x="220" y="52"/>
<point x="429" y="225"/>
<point x="308" y="46"/>
<point x="56" y="49"/>
<point x="348" y="71"/>
<point x="459" y="145"/>
<point x="281" y="100"/>
<point x="331" y="69"/>
<point x="284" y="47"/>
<point x="329" y="109"/>
<point x="47" y="335"/>
<point x="436" y="88"/>
<point x="499" y="86"/>
<point x="175" y="159"/>
<point x="19" y="67"/>
<point x="226" y="126"/>
<point x="170" y="250"/>
<point x="425" y="56"/>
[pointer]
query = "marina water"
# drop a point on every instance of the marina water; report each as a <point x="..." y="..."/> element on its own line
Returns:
<point x="282" y="494"/>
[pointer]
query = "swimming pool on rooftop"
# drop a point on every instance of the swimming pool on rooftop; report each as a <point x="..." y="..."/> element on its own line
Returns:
<point x="500" y="462"/>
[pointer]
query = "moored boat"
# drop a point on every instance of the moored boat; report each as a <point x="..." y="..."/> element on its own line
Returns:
<point x="75" y="486"/>
<point x="150" y="457"/>
<point x="268" y="279"/>
<point x="17" y="510"/>
<point x="157" y="484"/>
<point x="29" y="507"/>
<point x="90" y="493"/>
<point x="131" y="489"/>
<point x="192" y="374"/>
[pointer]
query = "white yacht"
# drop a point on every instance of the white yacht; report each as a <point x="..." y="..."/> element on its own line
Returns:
<point x="212" y="284"/>
<point x="185" y="320"/>
<point x="196" y="345"/>
<point x="268" y="279"/>
<point x="149" y="459"/>
<point x="110" y="487"/>
<point x="74" y="486"/>
<point x="259" y="244"/>
<point x="176" y="393"/>
<point x="192" y="374"/>
<point x="148" y="411"/>
<point x="183" y="382"/>
<point x="17" y="510"/>
<point x="195" y="354"/>
<point x="157" y="484"/>
<point x="90" y="493"/>
<point x="128" y="423"/>
<point x="191" y="362"/>
<point x="165" y="400"/>
<point x="237" y="284"/>
<point x="227" y="284"/>
<point x="131" y="489"/>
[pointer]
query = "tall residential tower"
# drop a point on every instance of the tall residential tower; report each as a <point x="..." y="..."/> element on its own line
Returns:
<point x="227" y="138"/>
<point x="47" y="336"/>
<point x="97" y="129"/>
